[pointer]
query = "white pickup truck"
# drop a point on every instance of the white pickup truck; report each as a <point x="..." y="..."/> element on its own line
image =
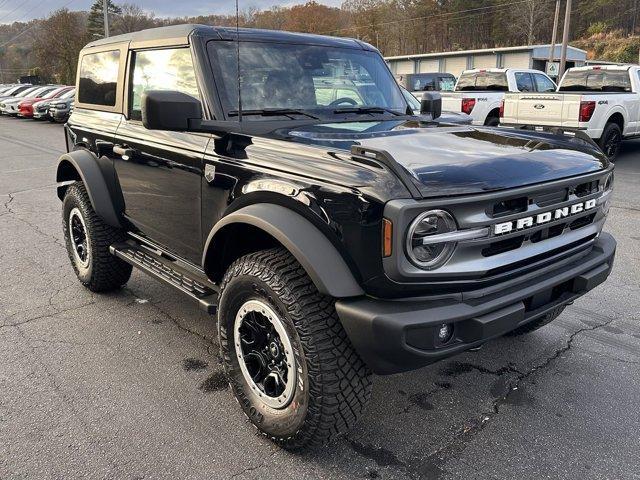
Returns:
<point x="479" y="92"/>
<point x="602" y="101"/>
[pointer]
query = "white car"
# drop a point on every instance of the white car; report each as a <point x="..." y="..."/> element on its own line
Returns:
<point x="602" y="101"/>
<point x="480" y="92"/>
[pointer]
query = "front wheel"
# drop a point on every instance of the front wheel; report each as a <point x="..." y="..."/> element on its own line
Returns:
<point x="610" y="140"/>
<point x="88" y="239"/>
<point x="287" y="357"/>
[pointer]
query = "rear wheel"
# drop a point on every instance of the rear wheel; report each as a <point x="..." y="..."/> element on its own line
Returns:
<point x="492" y="122"/>
<point x="286" y="355"/>
<point x="610" y="140"/>
<point x="538" y="323"/>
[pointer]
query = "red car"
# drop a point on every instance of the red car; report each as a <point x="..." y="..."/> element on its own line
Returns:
<point x="25" y="107"/>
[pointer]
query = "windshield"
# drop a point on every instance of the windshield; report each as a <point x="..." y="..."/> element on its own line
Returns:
<point x="307" y="78"/>
<point x="71" y="93"/>
<point x="496" y="81"/>
<point x="595" y="81"/>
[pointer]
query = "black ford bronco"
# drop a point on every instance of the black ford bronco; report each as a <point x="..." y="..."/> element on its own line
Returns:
<point x="282" y="182"/>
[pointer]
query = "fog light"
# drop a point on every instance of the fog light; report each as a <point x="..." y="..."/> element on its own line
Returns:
<point x="445" y="332"/>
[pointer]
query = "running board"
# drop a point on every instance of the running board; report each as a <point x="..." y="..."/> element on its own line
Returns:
<point x="161" y="266"/>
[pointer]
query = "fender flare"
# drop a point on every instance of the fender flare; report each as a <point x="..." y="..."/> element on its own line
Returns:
<point x="313" y="250"/>
<point x="92" y="175"/>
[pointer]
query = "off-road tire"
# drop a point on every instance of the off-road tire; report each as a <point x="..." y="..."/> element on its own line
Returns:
<point x="610" y="134"/>
<point x="333" y="384"/>
<point x="104" y="272"/>
<point x="538" y="323"/>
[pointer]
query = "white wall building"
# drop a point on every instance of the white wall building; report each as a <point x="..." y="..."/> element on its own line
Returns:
<point x="528" y="56"/>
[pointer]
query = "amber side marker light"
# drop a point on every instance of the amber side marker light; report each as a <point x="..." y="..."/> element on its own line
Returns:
<point x="387" y="235"/>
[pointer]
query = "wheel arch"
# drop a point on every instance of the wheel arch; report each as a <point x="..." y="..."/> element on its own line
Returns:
<point x="260" y="226"/>
<point x="618" y="119"/>
<point x="82" y="165"/>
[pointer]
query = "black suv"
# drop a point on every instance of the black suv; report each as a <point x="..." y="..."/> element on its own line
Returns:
<point x="334" y="234"/>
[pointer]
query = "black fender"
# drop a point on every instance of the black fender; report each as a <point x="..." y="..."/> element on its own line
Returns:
<point x="313" y="250"/>
<point x="98" y="179"/>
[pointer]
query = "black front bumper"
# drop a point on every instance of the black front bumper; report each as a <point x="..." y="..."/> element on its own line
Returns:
<point x="398" y="335"/>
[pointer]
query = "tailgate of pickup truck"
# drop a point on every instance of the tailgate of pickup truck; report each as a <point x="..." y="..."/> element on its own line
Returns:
<point x="553" y="109"/>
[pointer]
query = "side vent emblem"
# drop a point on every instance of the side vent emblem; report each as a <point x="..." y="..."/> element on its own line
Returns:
<point x="209" y="172"/>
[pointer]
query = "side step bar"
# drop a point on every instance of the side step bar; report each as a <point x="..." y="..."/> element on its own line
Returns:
<point x="162" y="266"/>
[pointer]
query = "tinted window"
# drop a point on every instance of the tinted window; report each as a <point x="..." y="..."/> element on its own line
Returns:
<point x="99" y="78"/>
<point x="447" y="84"/>
<point x="302" y="77"/>
<point x="494" y="81"/>
<point x="422" y="82"/>
<point x="524" y="83"/>
<point x="596" y="81"/>
<point x="170" y="69"/>
<point x="543" y="84"/>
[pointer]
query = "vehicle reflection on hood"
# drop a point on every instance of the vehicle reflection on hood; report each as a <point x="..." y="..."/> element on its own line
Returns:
<point x="461" y="159"/>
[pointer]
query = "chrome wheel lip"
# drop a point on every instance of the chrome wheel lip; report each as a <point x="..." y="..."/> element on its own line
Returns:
<point x="77" y="214"/>
<point x="258" y="306"/>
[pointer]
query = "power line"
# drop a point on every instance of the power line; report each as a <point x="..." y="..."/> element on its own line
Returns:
<point x="30" y="28"/>
<point x="437" y="15"/>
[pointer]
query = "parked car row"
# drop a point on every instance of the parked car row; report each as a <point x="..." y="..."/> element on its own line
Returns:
<point x="52" y="102"/>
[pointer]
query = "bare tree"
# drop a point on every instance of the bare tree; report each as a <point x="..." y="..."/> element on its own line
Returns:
<point x="132" y="18"/>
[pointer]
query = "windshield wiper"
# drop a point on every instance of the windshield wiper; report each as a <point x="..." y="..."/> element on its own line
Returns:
<point x="366" y="110"/>
<point x="274" y="112"/>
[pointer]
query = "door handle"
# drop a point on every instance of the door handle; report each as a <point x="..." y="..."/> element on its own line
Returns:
<point x="125" y="152"/>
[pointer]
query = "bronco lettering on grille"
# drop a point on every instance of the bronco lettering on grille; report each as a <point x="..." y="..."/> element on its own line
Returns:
<point x="541" y="218"/>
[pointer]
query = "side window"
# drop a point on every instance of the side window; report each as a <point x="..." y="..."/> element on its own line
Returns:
<point x="99" y="78"/>
<point x="447" y="84"/>
<point x="524" y="82"/>
<point x="543" y="84"/>
<point x="169" y="69"/>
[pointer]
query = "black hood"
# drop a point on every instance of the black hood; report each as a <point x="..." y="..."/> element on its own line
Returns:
<point x="463" y="160"/>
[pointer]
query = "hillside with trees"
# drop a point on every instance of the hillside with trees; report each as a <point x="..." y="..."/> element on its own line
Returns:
<point x="607" y="29"/>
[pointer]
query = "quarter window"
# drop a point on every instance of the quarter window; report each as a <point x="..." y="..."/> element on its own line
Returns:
<point x="99" y="78"/>
<point x="169" y="69"/>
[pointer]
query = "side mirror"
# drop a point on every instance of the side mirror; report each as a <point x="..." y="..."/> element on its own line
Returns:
<point x="431" y="104"/>
<point x="170" y="110"/>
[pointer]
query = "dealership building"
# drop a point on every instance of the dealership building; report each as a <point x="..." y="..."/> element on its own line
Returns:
<point x="528" y="56"/>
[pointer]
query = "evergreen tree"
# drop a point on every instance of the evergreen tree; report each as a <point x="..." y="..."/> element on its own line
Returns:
<point x="95" y="22"/>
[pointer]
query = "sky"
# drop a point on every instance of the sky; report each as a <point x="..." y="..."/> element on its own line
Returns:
<point x="23" y="10"/>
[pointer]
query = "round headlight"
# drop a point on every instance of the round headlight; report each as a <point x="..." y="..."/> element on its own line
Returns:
<point x="423" y="249"/>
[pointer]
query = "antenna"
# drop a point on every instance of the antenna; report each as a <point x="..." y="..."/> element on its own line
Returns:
<point x="238" y="62"/>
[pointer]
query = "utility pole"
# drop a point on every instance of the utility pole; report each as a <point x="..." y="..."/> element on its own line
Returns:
<point x="552" y="50"/>
<point x="565" y="39"/>
<point x="105" y="11"/>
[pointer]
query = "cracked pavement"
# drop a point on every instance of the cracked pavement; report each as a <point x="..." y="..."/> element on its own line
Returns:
<point x="129" y="384"/>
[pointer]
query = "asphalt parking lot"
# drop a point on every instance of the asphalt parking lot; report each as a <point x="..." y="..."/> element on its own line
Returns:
<point x="128" y="385"/>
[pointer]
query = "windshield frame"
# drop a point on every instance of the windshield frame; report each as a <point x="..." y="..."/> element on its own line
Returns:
<point x="324" y="113"/>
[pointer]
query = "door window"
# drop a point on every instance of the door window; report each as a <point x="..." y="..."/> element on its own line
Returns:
<point x="99" y="78"/>
<point x="524" y="82"/>
<point x="543" y="84"/>
<point x="168" y="69"/>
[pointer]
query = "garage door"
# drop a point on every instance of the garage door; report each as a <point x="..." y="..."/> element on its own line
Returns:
<point x="429" y="65"/>
<point x="484" y="61"/>
<point x="404" y="66"/>
<point x="515" y="60"/>
<point x="455" y="65"/>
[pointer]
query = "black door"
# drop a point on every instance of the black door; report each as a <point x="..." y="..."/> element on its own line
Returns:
<point x="160" y="172"/>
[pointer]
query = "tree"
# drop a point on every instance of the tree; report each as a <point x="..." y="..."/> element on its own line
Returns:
<point x="57" y="44"/>
<point x="95" y="22"/>
<point x="132" y="18"/>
